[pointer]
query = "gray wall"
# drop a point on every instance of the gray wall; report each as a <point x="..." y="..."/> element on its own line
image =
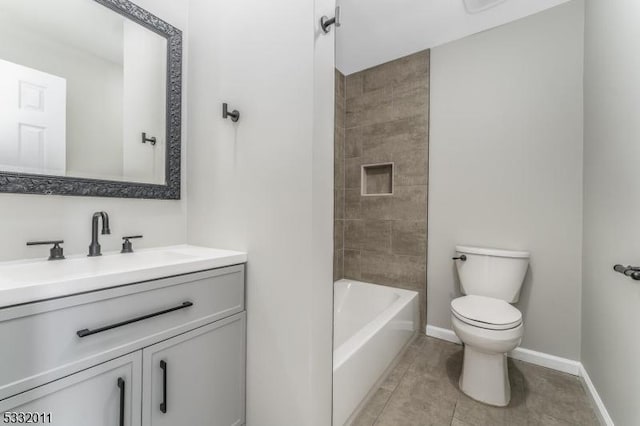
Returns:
<point x="386" y="120"/>
<point x="506" y="166"/>
<point x="265" y="185"/>
<point x="611" y="302"/>
<point x="31" y="217"/>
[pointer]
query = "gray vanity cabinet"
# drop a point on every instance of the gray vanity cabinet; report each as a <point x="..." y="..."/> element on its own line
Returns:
<point x="97" y="396"/>
<point x="196" y="378"/>
<point x="95" y="359"/>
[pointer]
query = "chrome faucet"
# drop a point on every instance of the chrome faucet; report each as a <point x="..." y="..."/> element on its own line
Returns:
<point x="94" y="248"/>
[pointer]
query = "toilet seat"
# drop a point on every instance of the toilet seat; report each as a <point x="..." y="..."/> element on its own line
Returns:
<point x="486" y="312"/>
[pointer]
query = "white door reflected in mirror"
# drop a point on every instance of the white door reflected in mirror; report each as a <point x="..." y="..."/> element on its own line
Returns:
<point x="32" y="120"/>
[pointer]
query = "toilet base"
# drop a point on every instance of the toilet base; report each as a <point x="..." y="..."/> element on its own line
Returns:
<point x="485" y="377"/>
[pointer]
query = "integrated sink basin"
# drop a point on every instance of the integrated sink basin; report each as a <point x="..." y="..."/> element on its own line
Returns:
<point x="33" y="280"/>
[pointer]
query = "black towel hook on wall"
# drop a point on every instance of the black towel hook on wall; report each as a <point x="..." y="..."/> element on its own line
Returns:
<point x="145" y="139"/>
<point x="630" y="271"/>
<point x="233" y="115"/>
<point x="326" y="22"/>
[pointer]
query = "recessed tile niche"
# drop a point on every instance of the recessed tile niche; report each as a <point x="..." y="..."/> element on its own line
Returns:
<point x="377" y="179"/>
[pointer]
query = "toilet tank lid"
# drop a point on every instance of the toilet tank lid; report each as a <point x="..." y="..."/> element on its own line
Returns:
<point x="492" y="252"/>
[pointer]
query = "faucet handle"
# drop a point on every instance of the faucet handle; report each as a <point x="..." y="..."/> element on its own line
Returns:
<point x="127" y="247"/>
<point x="56" y="252"/>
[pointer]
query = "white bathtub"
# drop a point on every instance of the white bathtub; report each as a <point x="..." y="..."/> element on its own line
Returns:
<point x="372" y="326"/>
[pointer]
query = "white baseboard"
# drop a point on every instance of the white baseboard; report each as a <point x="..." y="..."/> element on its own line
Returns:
<point x="596" y="401"/>
<point x="545" y="360"/>
<point x="443" y="334"/>
<point x="527" y="355"/>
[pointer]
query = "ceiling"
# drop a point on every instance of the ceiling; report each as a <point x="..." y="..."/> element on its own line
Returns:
<point x="82" y="24"/>
<point x="377" y="31"/>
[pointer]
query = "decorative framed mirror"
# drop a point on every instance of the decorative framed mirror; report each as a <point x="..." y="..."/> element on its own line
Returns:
<point x="90" y="100"/>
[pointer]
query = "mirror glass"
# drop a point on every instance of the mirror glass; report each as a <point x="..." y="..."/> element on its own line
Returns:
<point x="79" y="87"/>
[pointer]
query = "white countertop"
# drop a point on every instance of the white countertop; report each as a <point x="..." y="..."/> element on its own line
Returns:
<point x="27" y="281"/>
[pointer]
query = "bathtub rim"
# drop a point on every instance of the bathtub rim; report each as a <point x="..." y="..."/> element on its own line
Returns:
<point x="342" y="353"/>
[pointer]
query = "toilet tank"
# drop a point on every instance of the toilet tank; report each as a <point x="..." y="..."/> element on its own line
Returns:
<point x="491" y="272"/>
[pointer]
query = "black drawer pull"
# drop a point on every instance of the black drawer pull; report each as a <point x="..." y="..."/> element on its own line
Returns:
<point x="121" y="386"/>
<point x="86" y="332"/>
<point x="163" y="404"/>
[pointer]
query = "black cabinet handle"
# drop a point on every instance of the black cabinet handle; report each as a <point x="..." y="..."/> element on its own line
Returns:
<point x="163" y="404"/>
<point x="462" y="258"/>
<point x="86" y="332"/>
<point x="121" y="386"/>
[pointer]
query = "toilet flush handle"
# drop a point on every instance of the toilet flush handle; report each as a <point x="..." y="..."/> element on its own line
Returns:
<point x="462" y="258"/>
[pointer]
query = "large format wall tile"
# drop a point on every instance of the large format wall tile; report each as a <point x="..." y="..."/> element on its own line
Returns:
<point x="393" y="137"/>
<point x="338" y="204"/>
<point x="385" y="118"/>
<point x="381" y="207"/>
<point x="338" y="234"/>
<point x="338" y="176"/>
<point x="410" y="98"/>
<point x="408" y="238"/>
<point x="338" y="158"/>
<point x="370" y="235"/>
<point x="410" y="203"/>
<point x="352" y="170"/>
<point x="411" y="168"/>
<point x="354" y="86"/>
<point x="352" y="234"/>
<point x="409" y="68"/>
<point x="370" y="107"/>
<point x="340" y="116"/>
<point x="352" y="203"/>
<point x="400" y="271"/>
<point x="352" y="264"/>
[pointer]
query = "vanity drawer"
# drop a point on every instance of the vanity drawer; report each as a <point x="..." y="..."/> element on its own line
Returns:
<point x="41" y="342"/>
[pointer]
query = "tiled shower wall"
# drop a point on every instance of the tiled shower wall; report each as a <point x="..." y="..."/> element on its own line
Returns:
<point x="338" y="178"/>
<point x="382" y="115"/>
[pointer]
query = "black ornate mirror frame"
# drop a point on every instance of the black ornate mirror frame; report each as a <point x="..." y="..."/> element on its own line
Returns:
<point x="23" y="183"/>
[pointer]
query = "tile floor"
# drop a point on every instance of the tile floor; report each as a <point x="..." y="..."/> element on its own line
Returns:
<point x="423" y="390"/>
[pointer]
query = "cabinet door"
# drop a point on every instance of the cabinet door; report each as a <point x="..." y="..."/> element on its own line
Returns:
<point x="197" y="378"/>
<point x="105" y="395"/>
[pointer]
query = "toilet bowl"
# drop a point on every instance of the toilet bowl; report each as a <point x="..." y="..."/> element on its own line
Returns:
<point x="485" y="321"/>
<point x="487" y="338"/>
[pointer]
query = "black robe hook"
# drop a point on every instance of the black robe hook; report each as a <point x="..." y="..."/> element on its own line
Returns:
<point x="234" y="115"/>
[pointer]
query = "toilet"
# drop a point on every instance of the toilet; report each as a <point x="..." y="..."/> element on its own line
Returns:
<point x="485" y="321"/>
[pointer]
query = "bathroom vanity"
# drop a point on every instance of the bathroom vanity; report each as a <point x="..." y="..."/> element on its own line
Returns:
<point x="155" y="337"/>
